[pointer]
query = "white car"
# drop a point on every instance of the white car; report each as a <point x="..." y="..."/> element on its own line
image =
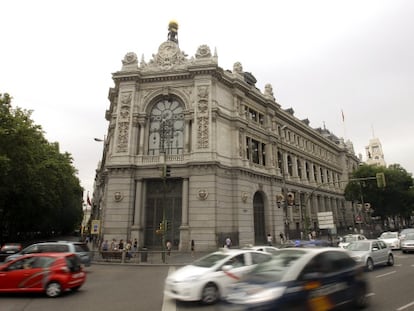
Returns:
<point x="404" y="232"/>
<point x="391" y="239"/>
<point x="346" y="239"/>
<point x="205" y="279"/>
<point x="263" y="248"/>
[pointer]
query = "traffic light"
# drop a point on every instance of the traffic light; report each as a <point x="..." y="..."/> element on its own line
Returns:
<point x="161" y="226"/>
<point x="166" y="171"/>
<point x="380" y="180"/>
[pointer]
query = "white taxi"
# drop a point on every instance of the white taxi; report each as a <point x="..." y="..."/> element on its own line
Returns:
<point x="391" y="239"/>
<point x="205" y="279"/>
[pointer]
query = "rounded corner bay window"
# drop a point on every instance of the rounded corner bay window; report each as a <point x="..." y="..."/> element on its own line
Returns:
<point x="166" y="127"/>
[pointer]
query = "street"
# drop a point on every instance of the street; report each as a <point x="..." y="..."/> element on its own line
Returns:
<point x="115" y="287"/>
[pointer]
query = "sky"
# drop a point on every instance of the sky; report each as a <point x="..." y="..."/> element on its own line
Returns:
<point x="323" y="58"/>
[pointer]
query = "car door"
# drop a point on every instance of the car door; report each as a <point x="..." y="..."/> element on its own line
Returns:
<point x="21" y="275"/>
<point x="327" y="280"/>
<point x="376" y="253"/>
<point x="384" y="250"/>
<point x="233" y="269"/>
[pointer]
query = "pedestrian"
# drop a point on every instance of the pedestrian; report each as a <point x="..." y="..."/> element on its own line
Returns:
<point x="227" y="242"/>
<point x="282" y="237"/>
<point x="113" y="245"/>
<point x="121" y="245"/>
<point x="105" y="246"/>
<point x="169" y="246"/>
<point x="269" y="239"/>
<point x="128" y="247"/>
<point x="192" y="248"/>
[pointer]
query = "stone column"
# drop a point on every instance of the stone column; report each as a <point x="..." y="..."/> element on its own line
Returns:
<point x="137" y="227"/>
<point x="187" y="134"/>
<point x="184" y="228"/>
<point x="141" y="136"/>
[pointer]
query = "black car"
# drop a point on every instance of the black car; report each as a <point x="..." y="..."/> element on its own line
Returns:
<point x="302" y="279"/>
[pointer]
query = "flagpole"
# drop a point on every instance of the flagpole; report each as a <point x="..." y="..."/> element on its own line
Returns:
<point x="343" y="124"/>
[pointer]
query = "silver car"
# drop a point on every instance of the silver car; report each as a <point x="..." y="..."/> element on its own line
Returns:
<point x="371" y="253"/>
<point x="79" y="248"/>
<point x="407" y="245"/>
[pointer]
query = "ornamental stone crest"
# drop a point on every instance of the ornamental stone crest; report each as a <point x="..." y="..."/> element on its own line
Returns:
<point x="203" y="51"/>
<point x="169" y="55"/>
<point x="130" y="61"/>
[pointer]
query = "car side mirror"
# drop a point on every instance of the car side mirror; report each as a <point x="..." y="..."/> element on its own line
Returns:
<point x="374" y="249"/>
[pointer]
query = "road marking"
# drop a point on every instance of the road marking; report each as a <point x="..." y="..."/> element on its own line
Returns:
<point x="370" y="295"/>
<point x="385" y="274"/>
<point x="169" y="304"/>
<point x="406" y="306"/>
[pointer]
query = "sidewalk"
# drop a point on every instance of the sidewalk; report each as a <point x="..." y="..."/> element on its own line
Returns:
<point x="175" y="258"/>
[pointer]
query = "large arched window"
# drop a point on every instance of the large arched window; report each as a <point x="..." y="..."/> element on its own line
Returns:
<point x="166" y="132"/>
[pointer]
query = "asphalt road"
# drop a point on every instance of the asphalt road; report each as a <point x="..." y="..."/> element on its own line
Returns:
<point x="139" y="288"/>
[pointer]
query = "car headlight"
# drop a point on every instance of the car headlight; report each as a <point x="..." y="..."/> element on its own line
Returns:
<point x="191" y="278"/>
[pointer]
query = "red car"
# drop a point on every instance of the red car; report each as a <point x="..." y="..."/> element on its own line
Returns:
<point x="51" y="273"/>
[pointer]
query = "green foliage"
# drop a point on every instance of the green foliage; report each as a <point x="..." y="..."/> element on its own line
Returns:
<point x="395" y="199"/>
<point x="39" y="190"/>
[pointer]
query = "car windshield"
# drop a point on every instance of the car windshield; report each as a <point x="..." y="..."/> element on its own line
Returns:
<point x="409" y="236"/>
<point x="406" y="231"/>
<point x="79" y="248"/>
<point x="350" y="238"/>
<point x="389" y="235"/>
<point x="209" y="260"/>
<point x="358" y="246"/>
<point x="274" y="269"/>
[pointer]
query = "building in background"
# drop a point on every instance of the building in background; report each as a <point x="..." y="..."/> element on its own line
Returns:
<point x="197" y="152"/>
<point x="374" y="153"/>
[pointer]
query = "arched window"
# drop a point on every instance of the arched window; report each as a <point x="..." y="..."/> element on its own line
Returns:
<point x="166" y="133"/>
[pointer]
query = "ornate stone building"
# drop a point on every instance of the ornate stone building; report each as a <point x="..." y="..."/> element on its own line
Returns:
<point x="239" y="164"/>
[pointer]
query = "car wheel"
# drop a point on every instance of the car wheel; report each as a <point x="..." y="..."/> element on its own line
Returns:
<point x="53" y="289"/>
<point x="361" y="299"/>
<point x="370" y="264"/>
<point x="390" y="261"/>
<point x="210" y="294"/>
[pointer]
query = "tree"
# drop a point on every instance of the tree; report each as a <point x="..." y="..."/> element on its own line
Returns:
<point x="39" y="189"/>
<point x="395" y="200"/>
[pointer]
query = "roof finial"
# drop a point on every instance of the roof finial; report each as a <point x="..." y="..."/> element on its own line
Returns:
<point x="173" y="31"/>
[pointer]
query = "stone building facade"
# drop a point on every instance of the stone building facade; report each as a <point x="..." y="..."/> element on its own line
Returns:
<point x="239" y="165"/>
